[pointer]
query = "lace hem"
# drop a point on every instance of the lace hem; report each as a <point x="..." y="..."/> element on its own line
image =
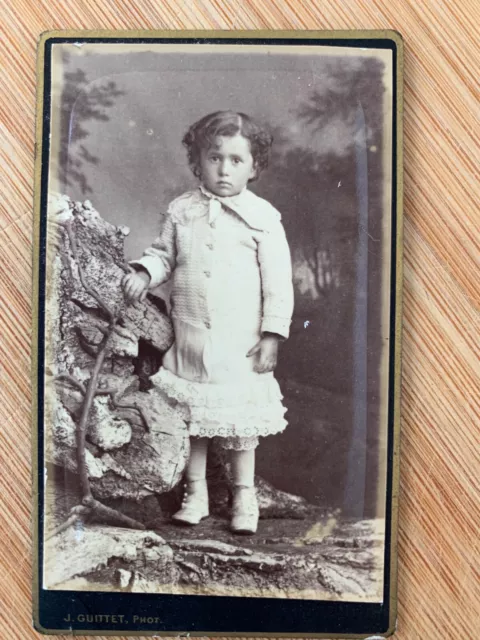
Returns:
<point x="259" y="390"/>
<point x="211" y="410"/>
<point x="212" y="429"/>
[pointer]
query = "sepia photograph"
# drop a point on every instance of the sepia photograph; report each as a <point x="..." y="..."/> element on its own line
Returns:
<point x="217" y="365"/>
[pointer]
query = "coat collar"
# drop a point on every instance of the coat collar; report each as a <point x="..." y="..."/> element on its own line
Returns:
<point x="253" y="210"/>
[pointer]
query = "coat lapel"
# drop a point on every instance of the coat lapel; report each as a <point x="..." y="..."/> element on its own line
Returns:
<point x="253" y="210"/>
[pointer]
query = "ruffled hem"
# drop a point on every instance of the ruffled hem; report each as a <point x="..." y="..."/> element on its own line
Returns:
<point x="237" y="428"/>
<point x="259" y="390"/>
<point x="225" y="410"/>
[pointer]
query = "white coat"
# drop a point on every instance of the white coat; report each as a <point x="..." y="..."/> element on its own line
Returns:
<point x="232" y="281"/>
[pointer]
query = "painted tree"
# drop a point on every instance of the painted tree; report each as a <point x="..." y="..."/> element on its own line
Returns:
<point x="81" y="102"/>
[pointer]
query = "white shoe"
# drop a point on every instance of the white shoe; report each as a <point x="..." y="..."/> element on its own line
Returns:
<point x="244" y="511"/>
<point x="195" y="503"/>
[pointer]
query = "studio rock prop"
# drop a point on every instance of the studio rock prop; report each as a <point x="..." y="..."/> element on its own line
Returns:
<point x="116" y="452"/>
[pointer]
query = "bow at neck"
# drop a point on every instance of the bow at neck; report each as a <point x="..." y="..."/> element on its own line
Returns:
<point x="237" y="203"/>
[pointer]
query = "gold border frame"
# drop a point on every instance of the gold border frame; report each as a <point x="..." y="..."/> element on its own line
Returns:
<point x="390" y="34"/>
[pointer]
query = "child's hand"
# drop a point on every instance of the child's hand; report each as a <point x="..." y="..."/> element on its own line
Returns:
<point x="135" y="286"/>
<point x="267" y="347"/>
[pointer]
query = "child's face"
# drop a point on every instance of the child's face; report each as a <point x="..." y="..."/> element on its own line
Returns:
<point x="227" y="166"/>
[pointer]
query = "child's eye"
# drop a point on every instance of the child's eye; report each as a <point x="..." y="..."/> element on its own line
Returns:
<point x="236" y="161"/>
<point x="214" y="158"/>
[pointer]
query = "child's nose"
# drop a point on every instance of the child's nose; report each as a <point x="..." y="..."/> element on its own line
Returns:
<point x="223" y="168"/>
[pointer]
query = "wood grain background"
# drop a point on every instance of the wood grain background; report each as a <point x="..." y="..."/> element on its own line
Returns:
<point x="439" y="582"/>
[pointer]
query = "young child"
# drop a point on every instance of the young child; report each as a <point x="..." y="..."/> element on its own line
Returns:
<point x="231" y="305"/>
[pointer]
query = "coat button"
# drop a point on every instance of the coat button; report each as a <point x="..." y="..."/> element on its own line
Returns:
<point x="212" y="224"/>
<point x="207" y="324"/>
<point x="210" y="246"/>
<point x="207" y="273"/>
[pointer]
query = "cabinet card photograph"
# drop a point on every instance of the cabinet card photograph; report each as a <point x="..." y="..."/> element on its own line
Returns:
<point x="218" y="223"/>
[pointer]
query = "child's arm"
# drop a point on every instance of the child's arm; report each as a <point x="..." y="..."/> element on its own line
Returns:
<point x="277" y="286"/>
<point x="154" y="267"/>
<point x="277" y="293"/>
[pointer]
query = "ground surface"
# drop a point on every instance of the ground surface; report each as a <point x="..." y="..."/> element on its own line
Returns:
<point x="318" y="557"/>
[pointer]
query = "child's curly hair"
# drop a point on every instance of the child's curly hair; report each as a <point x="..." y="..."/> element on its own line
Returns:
<point x="202" y="134"/>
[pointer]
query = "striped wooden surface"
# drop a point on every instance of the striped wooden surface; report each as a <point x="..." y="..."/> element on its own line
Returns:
<point x="439" y="592"/>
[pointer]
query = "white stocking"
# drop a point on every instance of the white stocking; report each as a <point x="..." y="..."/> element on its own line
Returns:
<point x="243" y="467"/>
<point x="197" y="463"/>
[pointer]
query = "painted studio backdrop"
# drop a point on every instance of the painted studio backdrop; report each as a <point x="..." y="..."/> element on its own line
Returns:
<point x="123" y="115"/>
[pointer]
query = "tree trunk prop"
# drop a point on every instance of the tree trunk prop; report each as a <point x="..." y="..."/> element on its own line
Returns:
<point x="90" y="507"/>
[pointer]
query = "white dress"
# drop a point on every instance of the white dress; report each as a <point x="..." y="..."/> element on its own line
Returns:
<point x="232" y="281"/>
